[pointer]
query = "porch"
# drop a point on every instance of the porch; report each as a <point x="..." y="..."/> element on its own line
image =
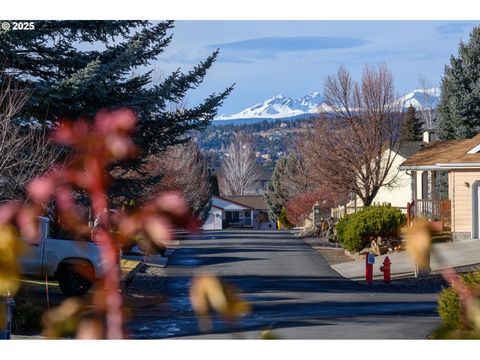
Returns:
<point x="427" y="202"/>
<point x="460" y="210"/>
<point x="238" y="219"/>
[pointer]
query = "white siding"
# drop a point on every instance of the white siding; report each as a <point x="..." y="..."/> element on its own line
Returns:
<point x="460" y="191"/>
<point x="214" y="220"/>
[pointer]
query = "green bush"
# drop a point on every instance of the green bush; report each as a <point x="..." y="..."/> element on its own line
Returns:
<point x="449" y="304"/>
<point x="283" y="220"/>
<point x="355" y="231"/>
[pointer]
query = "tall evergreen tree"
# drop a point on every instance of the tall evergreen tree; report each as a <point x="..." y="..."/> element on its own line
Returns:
<point x="289" y="178"/>
<point x="459" y="108"/>
<point x="413" y="128"/>
<point x="213" y="179"/>
<point x="76" y="68"/>
<point x="276" y="195"/>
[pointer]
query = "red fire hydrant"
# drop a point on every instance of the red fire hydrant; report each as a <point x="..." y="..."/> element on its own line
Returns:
<point x="385" y="268"/>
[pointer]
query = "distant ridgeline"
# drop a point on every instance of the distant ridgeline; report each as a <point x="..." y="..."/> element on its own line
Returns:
<point x="273" y="124"/>
<point x="270" y="138"/>
<point x="248" y="121"/>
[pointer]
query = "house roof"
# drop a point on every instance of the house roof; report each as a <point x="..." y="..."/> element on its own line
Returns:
<point x="444" y="155"/>
<point x="408" y="148"/>
<point x="256" y="202"/>
<point x="224" y="203"/>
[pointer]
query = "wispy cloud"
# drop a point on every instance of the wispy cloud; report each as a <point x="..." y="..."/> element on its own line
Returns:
<point x="290" y="44"/>
<point x="408" y="54"/>
<point x="197" y="55"/>
<point x="455" y="28"/>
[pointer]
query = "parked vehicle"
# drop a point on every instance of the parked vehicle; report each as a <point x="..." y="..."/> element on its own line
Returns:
<point x="75" y="264"/>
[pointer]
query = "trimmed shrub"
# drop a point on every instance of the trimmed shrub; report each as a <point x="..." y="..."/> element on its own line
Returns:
<point x="355" y="231"/>
<point x="449" y="303"/>
<point x="283" y="220"/>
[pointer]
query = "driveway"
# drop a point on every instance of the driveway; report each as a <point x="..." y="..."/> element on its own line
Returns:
<point x="292" y="290"/>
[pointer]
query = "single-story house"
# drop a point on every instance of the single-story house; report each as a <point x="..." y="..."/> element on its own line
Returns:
<point x="461" y="160"/>
<point x="399" y="193"/>
<point x="249" y="211"/>
<point x="260" y="218"/>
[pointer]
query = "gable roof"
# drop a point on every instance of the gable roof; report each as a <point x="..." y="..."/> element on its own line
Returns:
<point x="444" y="155"/>
<point x="225" y="203"/>
<point x="256" y="202"/>
<point x="408" y="148"/>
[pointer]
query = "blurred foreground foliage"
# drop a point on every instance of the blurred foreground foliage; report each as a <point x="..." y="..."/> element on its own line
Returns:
<point x="458" y="304"/>
<point x="460" y="321"/>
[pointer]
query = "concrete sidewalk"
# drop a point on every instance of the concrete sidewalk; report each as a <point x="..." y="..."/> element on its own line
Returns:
<point x="151" y="260"/>
<point x="443" y="256"/>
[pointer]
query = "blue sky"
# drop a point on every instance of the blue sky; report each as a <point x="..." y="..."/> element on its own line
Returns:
<point x="267" y="58"/>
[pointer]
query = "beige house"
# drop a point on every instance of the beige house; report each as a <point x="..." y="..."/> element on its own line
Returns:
<point x="398" y="194"/>
<point x="461" y="160"/>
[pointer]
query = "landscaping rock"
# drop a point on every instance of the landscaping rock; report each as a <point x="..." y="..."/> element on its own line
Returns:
<point x="378" y="248"/>
<point x="357" y="255"/>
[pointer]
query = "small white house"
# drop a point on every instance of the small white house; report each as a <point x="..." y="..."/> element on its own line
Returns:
<point x="238" y="212"/>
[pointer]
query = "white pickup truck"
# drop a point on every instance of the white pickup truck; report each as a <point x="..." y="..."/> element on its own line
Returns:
<point x="75" y="264"/>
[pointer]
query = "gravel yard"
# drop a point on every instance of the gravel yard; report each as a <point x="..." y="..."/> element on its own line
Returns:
<point x="332" y="252"/>
<point x="148" y="282"/>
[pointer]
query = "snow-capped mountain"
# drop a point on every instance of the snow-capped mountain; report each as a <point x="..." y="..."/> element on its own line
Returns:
<point x="280" y="106"/>
<point x="422" y="99"/>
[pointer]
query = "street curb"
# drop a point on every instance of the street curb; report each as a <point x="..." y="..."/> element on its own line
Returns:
<point x="316" y="248"/>
<point x="126" y="282"/>
<point x="164" y="259"/>
<point x="168" y="252"/>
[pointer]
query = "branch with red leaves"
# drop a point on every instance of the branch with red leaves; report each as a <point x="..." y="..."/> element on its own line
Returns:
<point x="95" y="146"/>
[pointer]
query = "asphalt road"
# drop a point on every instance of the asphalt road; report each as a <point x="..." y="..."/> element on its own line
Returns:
<point x="293" y="292"/>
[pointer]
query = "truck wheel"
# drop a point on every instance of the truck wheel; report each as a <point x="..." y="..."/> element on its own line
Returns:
<point x="72" y="282"/>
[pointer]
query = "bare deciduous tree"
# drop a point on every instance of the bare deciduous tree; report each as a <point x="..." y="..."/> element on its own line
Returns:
<point x="239" y="170"/>
<point x="351" y="148"/>
<point x="296" y="177"/>
<point x="429" y="113"/>
<point x="25" y="150"/>
<point x="183" y="168"/>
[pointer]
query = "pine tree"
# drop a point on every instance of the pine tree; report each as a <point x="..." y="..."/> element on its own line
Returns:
<point x="413" y="129"/>
<point x="276" y="195"/>
<point x="76" y="68"/>
<point x="459" y="108"/>
<point x="213" y="179"/>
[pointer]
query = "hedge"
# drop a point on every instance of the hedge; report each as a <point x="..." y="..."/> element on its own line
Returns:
<point x="355" y="231"/>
